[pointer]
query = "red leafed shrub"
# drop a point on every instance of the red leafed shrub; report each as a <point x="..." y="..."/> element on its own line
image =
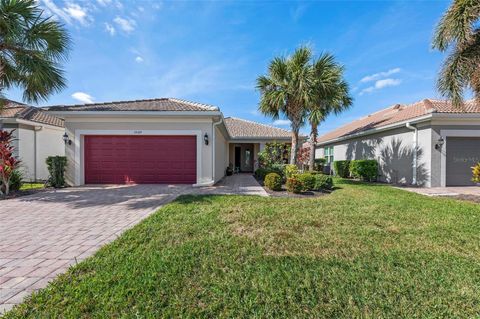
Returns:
<point x="8" y="163"/>
<point x="303" y="156"/>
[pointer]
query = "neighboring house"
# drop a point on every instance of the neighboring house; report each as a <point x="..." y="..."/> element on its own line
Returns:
<point x="37" y="135"/>
<point x="429" y="143"/>
<point x="161" y="140"/>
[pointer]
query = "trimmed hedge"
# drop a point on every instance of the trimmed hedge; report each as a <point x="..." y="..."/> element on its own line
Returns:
<point x="342" y="168"/>
<point x="56" y="168"/>
<point x="323" y="182"/>
<point x="290" y="170"/>
<point x="294" y="185"/>
<point x="308" y="180"/>
<point x="366" y="170"/>
<point x="262" y="172"/>
<point x="273" y="181"/>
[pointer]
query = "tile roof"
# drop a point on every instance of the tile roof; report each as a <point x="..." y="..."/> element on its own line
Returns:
<point x="399" y="113"/>
<point x="22" y="111"/>
<point x="238" y="128"/>
<point x="160" y="104"/>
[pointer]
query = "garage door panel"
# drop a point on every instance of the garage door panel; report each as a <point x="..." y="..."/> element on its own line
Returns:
<point x="461" y="154"/>
<point x="140" y="159"/>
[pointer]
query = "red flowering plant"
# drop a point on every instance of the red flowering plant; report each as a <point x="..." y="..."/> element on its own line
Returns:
<point x="303" y="156"/>
<point x="8" y="163"/>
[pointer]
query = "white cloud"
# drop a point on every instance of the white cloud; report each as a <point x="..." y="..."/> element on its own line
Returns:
<point x="139" y="59"/>
<point x="380" y="84"/>
<point x="127" y="25"/>
<point x="83" y="97"/>
<point x="110" y="28"/>
<point x="70" y="13"/>
<point x="281" y="122"/>
<point x="77" y="13"/>
<point x="379" y="75"/>
<point x="104" y="2"/>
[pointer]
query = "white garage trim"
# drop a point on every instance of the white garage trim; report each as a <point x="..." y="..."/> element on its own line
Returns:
<point x="79" y="145"/>
<point x="451" y="133"/>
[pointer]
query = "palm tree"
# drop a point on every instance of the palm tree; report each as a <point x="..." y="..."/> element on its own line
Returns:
<point x="331" y="95"/>
<point x="458" y="32"/>
<point x="286" y="90"/>
<point x="31" y="49"/>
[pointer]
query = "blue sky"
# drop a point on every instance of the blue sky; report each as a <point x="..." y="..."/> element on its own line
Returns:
<point x="212" y="52"/>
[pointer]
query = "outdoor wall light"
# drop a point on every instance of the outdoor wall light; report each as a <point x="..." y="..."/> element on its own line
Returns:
<point x="440" y="143"/>
<point x="66" y="139"/>
<point x="205" y="138"/>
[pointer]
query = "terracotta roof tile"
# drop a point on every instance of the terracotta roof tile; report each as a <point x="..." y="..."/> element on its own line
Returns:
<point x="22" y="111"/>
<point x="238" y="128"/>
<point x="398" y="113"/>
<point x="160" y="104"/>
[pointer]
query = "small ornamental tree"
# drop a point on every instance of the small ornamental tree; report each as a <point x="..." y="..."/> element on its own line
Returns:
<point x="303" y="156"/>
<point x="273" y="154"/>
<point x="8" y="163"/>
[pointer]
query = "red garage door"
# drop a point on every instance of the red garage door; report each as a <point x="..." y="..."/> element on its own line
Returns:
<point x="140" y="159"/>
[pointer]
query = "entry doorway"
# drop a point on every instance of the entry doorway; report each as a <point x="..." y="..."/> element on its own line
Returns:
<point x="244" y="158"/>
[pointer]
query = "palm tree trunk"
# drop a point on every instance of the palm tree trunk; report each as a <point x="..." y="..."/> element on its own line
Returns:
<point x="294" y="149"/>
<point x="313" y="142"/>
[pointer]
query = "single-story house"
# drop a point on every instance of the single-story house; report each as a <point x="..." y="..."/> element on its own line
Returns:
<point x="162" y="140"/>
<point x="429" y="143"/>
<point x="37" y="135"/>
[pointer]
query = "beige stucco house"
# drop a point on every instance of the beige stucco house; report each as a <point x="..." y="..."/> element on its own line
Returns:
<point x="161" y="140"/>
<point x="37" y="135"/>
<point x="428" y="143"/>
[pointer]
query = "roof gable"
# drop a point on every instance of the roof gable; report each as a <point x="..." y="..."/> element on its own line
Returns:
<point x="159" y="105"/>
<point x="399" y="113"/>
<point x="16" y="110"/>
<point x="239" y="128"/>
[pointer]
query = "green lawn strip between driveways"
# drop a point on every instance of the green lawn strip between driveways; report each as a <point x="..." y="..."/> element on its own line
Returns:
<point x="363" y="251"/>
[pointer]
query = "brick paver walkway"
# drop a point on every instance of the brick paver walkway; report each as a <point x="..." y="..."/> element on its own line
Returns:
<point x="41" y="235"/>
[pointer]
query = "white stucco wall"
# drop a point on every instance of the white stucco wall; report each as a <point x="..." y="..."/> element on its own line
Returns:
<point x="393" y="150"/>
<point x="34" y="146"/>
<point x="136" y="125"/>
<point x="221" y="154"/>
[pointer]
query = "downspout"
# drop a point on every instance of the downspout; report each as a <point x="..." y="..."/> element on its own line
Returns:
<point x="35" y="151"/>
<point x="415" y="139"/>
<point x="214" y="125"/>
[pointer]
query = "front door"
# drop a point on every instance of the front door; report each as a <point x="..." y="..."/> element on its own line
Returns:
<point x="247" y="158"/>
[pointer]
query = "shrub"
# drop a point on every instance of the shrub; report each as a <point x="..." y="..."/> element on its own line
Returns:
<point x="476" y="173"/>
<point x="290" y="170"/>
<point x="294" y="185"/>
<point x="273" y="181"/>
<point x="273" y="153"/>
<point x="308" y="180"/>
<point x="16" y="180"/>
<point x="320" y="164"/>
<point x="366" y="170"/>
<point x="322" y="182"/>
<point x="262" y="172"/>
<point x="56" y="168"/>
<point x="278" y="168"/>
<point x="342" y="168"/>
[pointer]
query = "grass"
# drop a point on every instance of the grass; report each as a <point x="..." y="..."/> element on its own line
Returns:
<point x="363" y="251"/>
<point x="31" y="186"/>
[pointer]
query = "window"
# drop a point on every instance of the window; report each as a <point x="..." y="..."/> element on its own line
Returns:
<point x="329" y="154"/>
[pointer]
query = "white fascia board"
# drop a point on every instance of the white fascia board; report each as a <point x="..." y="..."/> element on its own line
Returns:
<point x="377" y="130"/>
<point x="30" y="123"/>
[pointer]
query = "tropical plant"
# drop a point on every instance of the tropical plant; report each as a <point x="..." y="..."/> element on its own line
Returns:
<point x="458" y="32"/>
<point x="330" y="95"/>
<point x="294" y="185"/>
<point x="476" y="173"/>
<point x="286" y="91"/>
<point x="273" y="153"/>
<point x="303" y="156"/>
<point x="8" y="163"/>
<point x="323" y="182"/>
<point x="31" y="49"/>
<point x="290" y="170"/>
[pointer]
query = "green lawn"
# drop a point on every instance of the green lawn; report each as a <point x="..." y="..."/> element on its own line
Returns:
<point x="30" y="186"/>
<point x="363" y="251"/>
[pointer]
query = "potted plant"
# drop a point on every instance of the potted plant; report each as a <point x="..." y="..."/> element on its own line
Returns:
<point x="229" y="171"/>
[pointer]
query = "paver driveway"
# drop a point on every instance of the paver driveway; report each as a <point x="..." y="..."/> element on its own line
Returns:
<point x="41" y="235"/>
